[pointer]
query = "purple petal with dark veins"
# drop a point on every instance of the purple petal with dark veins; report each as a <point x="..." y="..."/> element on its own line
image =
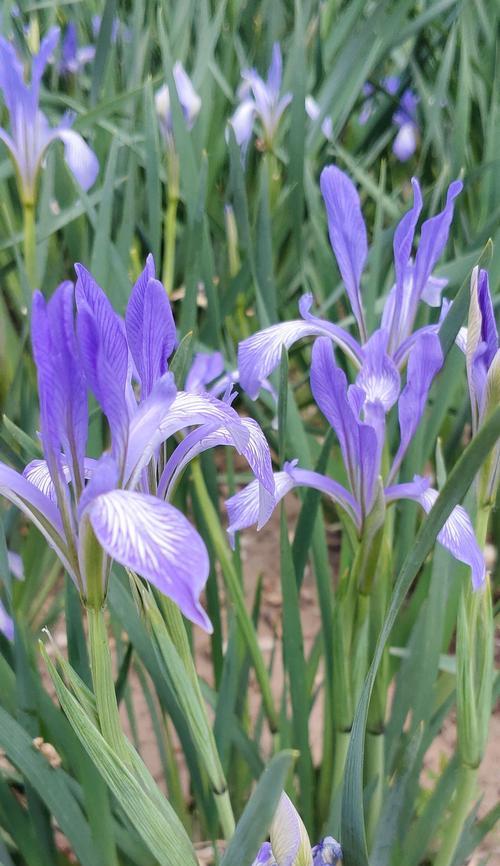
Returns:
<point x="154" y="539"/>
<point x="260" y="354"/>
<point x="457" y="534"/>
<point x="186" y="410"/>
<point x="109" y="327"/>
<point x="347" y="231"/>
<point x="150" y="328"/>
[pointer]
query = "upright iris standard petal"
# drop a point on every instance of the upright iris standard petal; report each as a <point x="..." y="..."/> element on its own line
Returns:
<point x="457" y="534"/>
<point x="379" y="377"/>
<point x="424" y="363"/>
<point x="433" y="238"/>
<point x="150" y="328"/>
<point x="154" y="539"/>
<point x="347" y="231"/>
<point x="90" y="295"/>
<point x="329" y="389"/>
<point x="402" y="246"/>
<point x="481" y="343"/>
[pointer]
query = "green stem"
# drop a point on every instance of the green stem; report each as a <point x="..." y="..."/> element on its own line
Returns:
<point x="234" y="589"/>
<point x="170" y="221"/>
<point x="104" y="686"/>
<point x="461" y="804"/>
<point x="375" y="770"/>
<point x="29" y="242"/>
<point x="175" y="625"/>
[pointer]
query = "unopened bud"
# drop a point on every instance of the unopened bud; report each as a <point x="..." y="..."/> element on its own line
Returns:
<point x="232" y="241"/>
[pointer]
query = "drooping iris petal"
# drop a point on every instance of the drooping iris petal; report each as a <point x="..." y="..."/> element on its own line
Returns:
<point x="256" y="451"/>
<point x="146" y="434"/>
<point x="37" y="473"/>
<point x="260" y="354"/>
<point x="154" y="539"/>
<point x="6" y="623"/>
<point x="424" y="363"/>
<point x="379" y="377"/>
<point x="243" y="508"/>
<point x="42" y="512"/>
<point x="457" y="533"/>
<point x="242" y="122"/>
<point x="80" y="158"/>
<point x="289" y="840"/>
<point x="347" y="231"/>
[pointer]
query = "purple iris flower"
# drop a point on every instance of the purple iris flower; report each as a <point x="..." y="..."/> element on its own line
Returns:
<point x="73" y="57"/>
<point x="482" y="353"/>
<point x="260" y="354"/>
<point x="404" y="118"/>
<point x="188" y="98"/>
<point x="357" y="412"/>
<point x="328" y="852"/>
<point x="122" y="498"/>
<point x="260" y="100"/>
<point x="30" y="131"/>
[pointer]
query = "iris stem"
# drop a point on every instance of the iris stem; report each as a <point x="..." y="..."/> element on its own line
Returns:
<point x="29" y="243"/>
<point x="170" y="221"/>
<point x="466" y="787"/>
<point x="104" y="686"/>
<point x="234" y="589"/>
<point x="177" y="631"/>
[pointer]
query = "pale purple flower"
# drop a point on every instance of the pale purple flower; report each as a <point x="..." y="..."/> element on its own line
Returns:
<point x="6" y="623"/>
<point x="260" y="100"/>
<point x="30" y="132"/>
<point x="115" y="499"/>
<point x="74" y="57"/>
<point x="188" y="97"/>
<point x="265" y="857"/>
<point x="482" y="353"/>
<point x="260" y="354"/>
<point x="404" y="118"/>
<point x="357" y="414"/>
<point x="313" y="111"/>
